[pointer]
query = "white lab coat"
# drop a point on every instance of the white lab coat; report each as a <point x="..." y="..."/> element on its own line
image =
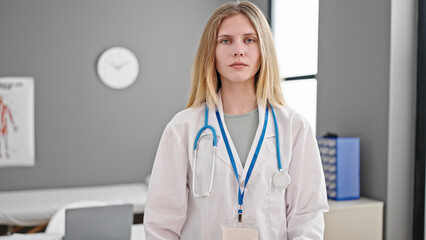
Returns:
<point x="172" y="212"/>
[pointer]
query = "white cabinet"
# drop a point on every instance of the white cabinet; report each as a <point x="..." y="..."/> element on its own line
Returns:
<point x="354" y="219"/>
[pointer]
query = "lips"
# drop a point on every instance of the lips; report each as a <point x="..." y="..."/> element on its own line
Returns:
<point x="238" y="65"/>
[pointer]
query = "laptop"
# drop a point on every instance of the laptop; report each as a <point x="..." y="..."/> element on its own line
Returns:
<point x="99" y="223"/>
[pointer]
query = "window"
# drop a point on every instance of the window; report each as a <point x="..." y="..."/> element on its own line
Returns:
<point x="295" y="29"/>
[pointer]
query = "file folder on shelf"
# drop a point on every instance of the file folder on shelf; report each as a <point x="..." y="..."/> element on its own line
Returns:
<point x="340" y="158"/>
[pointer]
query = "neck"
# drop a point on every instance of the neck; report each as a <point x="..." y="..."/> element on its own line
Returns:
<point x="238" y="99"/>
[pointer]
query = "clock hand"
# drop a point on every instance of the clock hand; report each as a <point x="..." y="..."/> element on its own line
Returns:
<point x="122" y="65"/>
<point x="113" y="64"/>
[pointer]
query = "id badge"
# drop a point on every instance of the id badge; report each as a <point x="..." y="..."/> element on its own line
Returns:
<point x="246" y="230"/>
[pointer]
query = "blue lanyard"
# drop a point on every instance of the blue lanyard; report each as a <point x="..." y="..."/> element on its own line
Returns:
<point x="253" y="161"/>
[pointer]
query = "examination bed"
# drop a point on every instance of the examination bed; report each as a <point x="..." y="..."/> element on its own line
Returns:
<point x="36" y="207"/>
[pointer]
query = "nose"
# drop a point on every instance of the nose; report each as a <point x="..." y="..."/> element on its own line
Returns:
<point x="239" y="50"/>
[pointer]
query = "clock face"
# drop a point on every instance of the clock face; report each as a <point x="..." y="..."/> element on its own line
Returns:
<point x="118" y="67"/>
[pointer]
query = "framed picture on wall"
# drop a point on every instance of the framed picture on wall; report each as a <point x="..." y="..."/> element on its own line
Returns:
<point x="17" y="146"/>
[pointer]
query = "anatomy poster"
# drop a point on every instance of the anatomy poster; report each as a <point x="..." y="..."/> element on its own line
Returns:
<point x="17" y="121"/>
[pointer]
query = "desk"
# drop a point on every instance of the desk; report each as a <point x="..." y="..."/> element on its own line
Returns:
<point x="354" y="219"/>
<point x="138" y="233"/>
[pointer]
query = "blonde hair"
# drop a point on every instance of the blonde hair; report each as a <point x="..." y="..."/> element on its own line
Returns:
<point x="204" y="76"/>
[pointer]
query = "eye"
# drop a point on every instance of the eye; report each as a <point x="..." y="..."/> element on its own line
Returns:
<point x="225" y="41"/>
<point x="250" y="40"/>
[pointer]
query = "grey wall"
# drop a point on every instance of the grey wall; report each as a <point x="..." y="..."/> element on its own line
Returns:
<point x="353" y="81"/>
<point x="86" y="133"/>
<point x="365" y="89"/>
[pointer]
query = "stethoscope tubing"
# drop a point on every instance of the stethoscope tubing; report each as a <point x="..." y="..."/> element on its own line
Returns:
<point x="277" y="138"/>
<point x="207" y="126"/>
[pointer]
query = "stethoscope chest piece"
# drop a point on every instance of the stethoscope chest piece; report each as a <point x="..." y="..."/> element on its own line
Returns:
<point x="281" y="180"/>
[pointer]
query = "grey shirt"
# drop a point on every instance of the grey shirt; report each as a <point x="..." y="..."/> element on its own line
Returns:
<point x="242" y="129"/>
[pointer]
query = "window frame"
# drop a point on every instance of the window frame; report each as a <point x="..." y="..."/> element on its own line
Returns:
<point x="420" y="138"/>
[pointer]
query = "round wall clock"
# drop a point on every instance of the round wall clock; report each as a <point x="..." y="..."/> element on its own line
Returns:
<point x="118" y="67"/>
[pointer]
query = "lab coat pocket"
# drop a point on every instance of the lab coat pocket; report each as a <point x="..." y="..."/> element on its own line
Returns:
<point x="276" y="206"/>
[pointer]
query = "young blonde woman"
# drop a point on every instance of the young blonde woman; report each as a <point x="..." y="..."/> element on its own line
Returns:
<point x="236" y="163"/>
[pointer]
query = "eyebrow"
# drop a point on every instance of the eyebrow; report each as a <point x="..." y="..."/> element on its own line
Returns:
<point x="246" y="34"/>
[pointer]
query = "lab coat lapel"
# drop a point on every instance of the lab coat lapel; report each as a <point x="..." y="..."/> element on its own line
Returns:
<point x="221" y="148"/>
<point x="265" y="152"/>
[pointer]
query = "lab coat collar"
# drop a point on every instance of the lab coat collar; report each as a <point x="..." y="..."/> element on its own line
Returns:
<point x="222" y="152"/>
<point x="270" y="131"/>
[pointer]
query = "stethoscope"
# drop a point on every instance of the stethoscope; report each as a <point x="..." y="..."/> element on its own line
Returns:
<point x="280" y="179"/>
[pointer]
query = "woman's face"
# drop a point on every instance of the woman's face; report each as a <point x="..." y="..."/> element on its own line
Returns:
<point x="237" y="50"/>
